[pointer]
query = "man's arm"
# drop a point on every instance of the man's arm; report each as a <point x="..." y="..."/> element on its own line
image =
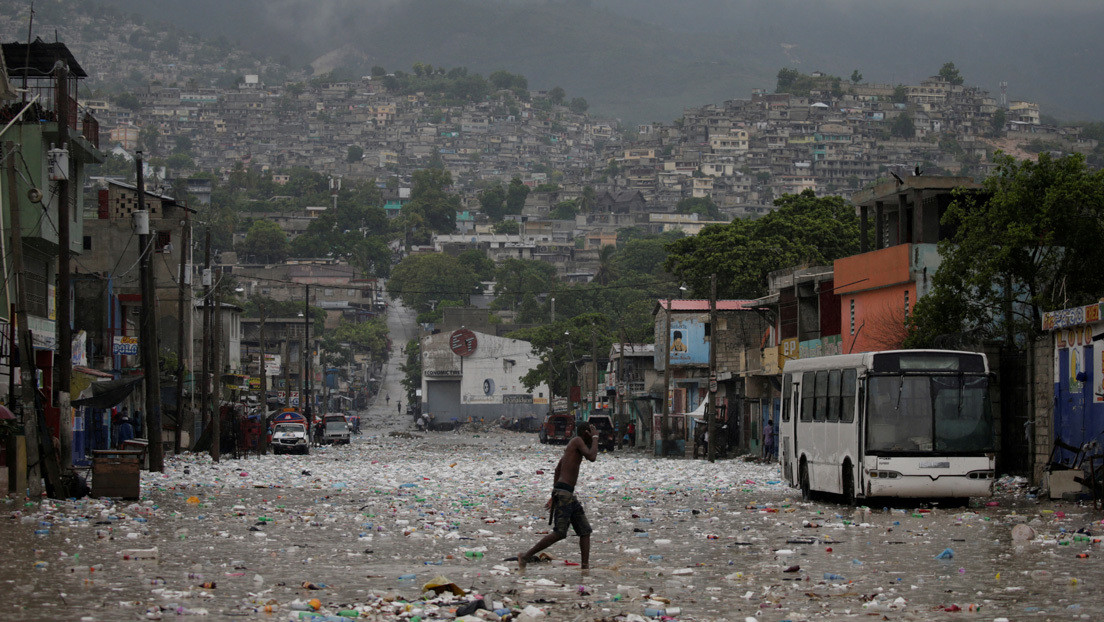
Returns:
<point x="590" y="453"/>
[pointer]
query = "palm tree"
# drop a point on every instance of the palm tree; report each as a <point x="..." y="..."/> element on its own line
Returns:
<point x="606" y="273"/>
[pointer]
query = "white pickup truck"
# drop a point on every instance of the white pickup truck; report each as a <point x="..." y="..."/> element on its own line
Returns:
<point x="290" y="436"/>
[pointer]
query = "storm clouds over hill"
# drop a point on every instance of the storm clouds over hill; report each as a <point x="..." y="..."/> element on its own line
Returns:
<point x="648" y="59"/>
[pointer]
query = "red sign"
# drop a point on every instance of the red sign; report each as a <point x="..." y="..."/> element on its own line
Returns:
<point x="463" y="342"/>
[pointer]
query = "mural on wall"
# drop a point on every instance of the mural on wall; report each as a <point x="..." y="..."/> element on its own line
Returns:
<point x="688" y="343"/>
<point x="1098" y="369"/>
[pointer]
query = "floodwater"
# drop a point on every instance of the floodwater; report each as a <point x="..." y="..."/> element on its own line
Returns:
<point x="371" y="523"/>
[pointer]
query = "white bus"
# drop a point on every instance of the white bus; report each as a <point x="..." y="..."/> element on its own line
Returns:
<point x="901" y="423"/>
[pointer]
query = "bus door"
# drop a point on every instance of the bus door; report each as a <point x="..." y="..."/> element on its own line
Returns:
<point x="787" y="440"/>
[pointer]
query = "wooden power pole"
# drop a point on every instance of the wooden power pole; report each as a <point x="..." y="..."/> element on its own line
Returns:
<point x="216" y="371"/>
<point x="714" y="339"/>
<point x="63" y="364"/>
<point x="27" y="380"/>
<point x="205" y="348"/>
<point x="148" y="329"/>
<point x="182" y="293"/>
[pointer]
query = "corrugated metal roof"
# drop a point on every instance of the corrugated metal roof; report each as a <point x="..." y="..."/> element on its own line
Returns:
<point x="41" y="59"/>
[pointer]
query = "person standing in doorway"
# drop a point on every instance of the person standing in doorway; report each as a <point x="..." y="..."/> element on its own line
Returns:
<point x="768" y="440"/>
<point x="565" y="508"/>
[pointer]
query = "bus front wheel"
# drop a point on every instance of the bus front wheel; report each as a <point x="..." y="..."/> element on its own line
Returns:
<point x="848" y="483"/>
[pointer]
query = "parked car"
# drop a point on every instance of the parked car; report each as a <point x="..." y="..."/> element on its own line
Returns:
<point x="335" y="429"/>
<point x="557" y="428"/>
<point x="607" y="437"/>
<point x="290" y="437"/>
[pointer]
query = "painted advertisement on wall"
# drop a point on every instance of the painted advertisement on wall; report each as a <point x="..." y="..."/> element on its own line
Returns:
<point x="688" y="343"/>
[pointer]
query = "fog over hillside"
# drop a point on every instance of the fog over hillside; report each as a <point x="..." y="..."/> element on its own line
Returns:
<point x="648" y="59"/>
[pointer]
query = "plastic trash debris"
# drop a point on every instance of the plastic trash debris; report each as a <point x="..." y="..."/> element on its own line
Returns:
<point x="947" y="553"/>
<point x="139" y="554"/>
<point x="1023" y="533"/>
<point x="441" y="584"/>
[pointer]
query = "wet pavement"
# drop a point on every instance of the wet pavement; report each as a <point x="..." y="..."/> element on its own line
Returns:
<point x="369" y="524"/>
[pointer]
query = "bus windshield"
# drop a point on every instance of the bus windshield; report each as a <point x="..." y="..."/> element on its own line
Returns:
<point x="942" y="414"/>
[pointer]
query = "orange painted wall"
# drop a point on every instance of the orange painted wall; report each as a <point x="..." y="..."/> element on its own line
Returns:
<point x="874" y="290"/>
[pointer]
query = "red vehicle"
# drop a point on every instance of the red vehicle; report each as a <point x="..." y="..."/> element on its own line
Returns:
<point x="557" y="428"/>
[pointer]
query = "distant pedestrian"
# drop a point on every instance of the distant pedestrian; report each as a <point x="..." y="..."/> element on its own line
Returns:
<point x="768" y="441"/>
<point x="388" y="398"/>
<point x="631" y="430"/>
<point x="126" y="432"/>
<point x="400" y="407"/>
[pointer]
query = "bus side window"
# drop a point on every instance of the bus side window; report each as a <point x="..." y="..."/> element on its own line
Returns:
<point x="849" y="383"/>
<point x="787" y="382"/>
<point x="834" y="395"/>
<point x="807" y="383"/>
<point x="821" y="392"/>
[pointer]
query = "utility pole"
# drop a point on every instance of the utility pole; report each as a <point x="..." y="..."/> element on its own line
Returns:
<point x="287" y="365"/>
<point x="148" y="328"/>
<point x="264" y="380"/>
<point x="714" y="338"/>
<point x="594" y="359"/>
<point x="63" y="364"/>
<point x="27" y="378"/>
<point x="306" y="393"/>
<point x="621" y="393"/>
<point x="665" y="422"/>
<point x="185" y="242"/>
<point x="216" y="371"/>
<point x="205" y="349"/>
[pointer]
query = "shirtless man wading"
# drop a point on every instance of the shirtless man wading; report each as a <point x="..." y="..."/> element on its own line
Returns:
<point x="565" y="508"/>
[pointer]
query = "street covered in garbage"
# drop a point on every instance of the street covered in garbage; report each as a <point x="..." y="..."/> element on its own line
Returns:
<point x="361" y="530"/>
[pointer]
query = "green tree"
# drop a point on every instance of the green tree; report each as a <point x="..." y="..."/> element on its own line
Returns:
<point x="702" y="206"/>
<point x="556" y="95"/>
<point x="1028" y="243"/>
<point x="492" y="201"/>
<point x="646" y="254"/>
<point x="265" y="242"/>
<point x="422" y="281"/>
<point x="506" y="227"/>
<point x="431" y="206"/>
<point x="856" y="77"/>
<point x="564" y="210"/>
<point x="804" y="229"/>
<point x="900" y="94"/>
<point x="903" y="127"/>
<point x="516" y="194"/>
<point x="996" y="123"/>
<point x="354" y="154"/>
<point x="950" y="73"/>
<point x="517" y="278"/>
<point x="478" y="262"/>
<point x="578" y="105"/>
<point x="559" y="345"/>
<point x="412" y="369"/>
<point x="127" y="100"/>
<point x="787" y="77"/>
